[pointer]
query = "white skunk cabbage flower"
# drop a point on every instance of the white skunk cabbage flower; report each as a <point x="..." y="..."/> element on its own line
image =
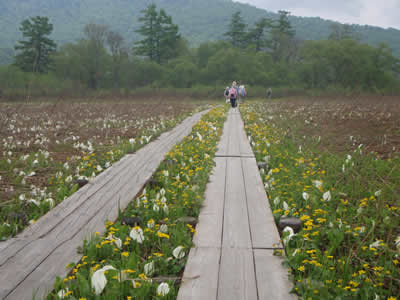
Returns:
<point x="327" y="196"/>
<point x="285" y="205"/>
<point x="163" y="289"/>
<point x="137" y="234"/>
<point x="306" y="196"/>
<point x="36" y="202"/>
<point x="117" y="241"/>
<point x="376" y="244"/>
<point x="99" y="280"/>
<point x="164" y="228"/>
<point x="50" y="201"/>
<point x="149" y="268"/>
<point x="62" y="293"/>
<point x="150" y="223"/>
<point x="178" y="252"/>
<point x="165" y="209"/>
<point x="288" y="237"/>
<point x="397" y="242"/>
<point x="317" y="183"/>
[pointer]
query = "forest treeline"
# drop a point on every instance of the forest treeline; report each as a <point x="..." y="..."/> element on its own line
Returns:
<point x="262" y="55"/>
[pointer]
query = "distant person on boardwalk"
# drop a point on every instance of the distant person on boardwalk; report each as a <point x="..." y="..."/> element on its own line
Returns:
<point x="226" y="94"/>
<point x="269" y="93"/>
<point x="233" y="93"/>
<point x="242" y="93"/>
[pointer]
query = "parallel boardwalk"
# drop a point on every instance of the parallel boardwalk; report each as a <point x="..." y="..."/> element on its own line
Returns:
<point x="30" y="262"/>
<point x="236" y="234"/>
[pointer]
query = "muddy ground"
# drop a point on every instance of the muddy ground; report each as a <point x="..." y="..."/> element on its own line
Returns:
<point x="344" y="123"/>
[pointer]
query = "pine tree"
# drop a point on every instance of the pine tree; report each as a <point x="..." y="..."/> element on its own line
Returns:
<point x="282" y="36"/>
<point x="147" y="46"/>
<point x="256" y="35"/>
<point x="35" y="52"/>
<point x="161" y="35"/>
<point x="236" y="33"/>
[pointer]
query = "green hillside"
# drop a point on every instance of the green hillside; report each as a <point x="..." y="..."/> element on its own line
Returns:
<point x="198" y="20"/>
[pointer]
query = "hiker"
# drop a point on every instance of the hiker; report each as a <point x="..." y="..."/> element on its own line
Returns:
<point x="226" y="94"/>
<point x="233" y="92"/>
<point x="242" y="93"/>
<point x="269" y="93"/>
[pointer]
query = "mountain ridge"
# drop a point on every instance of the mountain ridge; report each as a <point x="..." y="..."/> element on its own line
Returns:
<point x="198" y="20"/>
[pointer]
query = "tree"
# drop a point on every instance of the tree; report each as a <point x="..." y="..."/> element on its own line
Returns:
<point x="343" y="31"/>
<point x="147" y="46"/>
<point x="96" y="35"/>
<point x="118" y="53"/>
<point x="161" y="35"/>
<point x="35" y="55"/>
<point x="282" y="36"/>
<point x="236" y="33"/>
<point x="256" y="34"/>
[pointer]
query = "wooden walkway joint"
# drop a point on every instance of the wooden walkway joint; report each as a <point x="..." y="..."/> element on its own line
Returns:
<point x="236" y="234"/>
<point x="30" y="262"/>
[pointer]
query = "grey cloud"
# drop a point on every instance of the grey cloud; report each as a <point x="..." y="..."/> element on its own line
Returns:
<point x="380" y="13"/>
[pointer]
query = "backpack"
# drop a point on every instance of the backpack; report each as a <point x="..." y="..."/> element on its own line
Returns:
<point x="227" y="92"/>
<point x="232" y="93"/>
<point x="242" y="92"/>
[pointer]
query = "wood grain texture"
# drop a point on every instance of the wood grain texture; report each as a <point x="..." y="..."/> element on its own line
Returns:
<point x="224" y="141"/>
<point x="264" y="233"/>
<point x="236" y="231"/>
<point x="245" y="271"/>
<point x="31" y="261"/>
<point x="244" y="145"/>
<point x="272" y="277"/>
<point x="234" y="141"/>
<point x="200" y="279"/>
<point x="209" y="227"/>
<point x="237" y="276"/>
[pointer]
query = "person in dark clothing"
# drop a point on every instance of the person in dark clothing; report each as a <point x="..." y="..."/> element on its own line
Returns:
<point x="233" y="93"/>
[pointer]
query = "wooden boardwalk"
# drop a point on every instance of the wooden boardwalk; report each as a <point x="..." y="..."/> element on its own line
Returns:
<point x="236" y="234"/>
<point x="30" y="262"/>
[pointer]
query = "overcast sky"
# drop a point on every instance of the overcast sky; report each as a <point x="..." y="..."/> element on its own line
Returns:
<point x="382" y="13"/>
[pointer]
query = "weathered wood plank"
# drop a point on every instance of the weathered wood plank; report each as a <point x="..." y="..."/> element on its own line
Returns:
<point x="69" y="206"/>
<point x="272" y="277"/>
<point x="237" y="277"/>
<point x="32" y="260"/>
<point x="244" y="145"/>
<point x="200" y="279"/>
<point x="244" y="271"/>
<point x="224" y="141"/>
<point x="234" y="142"/>
<point x="236" y="233"/>
<point x="107" y="182"/>
<point x="209" y="227"/>
<point x="264" y="233"/>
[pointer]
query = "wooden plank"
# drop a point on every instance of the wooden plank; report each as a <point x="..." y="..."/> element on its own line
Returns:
<point x="272" y="277"/>
<point x="236" y="233"/>
<point x="264" y="233"/>
<point x="146" y="158"/>
<point x="237" y="277"/>
<point x="200" y="279"/>
<point x="223" y="143"/>
<point x="209" y="227"/>
<point x="244" y="145"/>
<point x="234" y="141"/>
<point x="110" y="177"/>
<point x="33" y="261"/>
